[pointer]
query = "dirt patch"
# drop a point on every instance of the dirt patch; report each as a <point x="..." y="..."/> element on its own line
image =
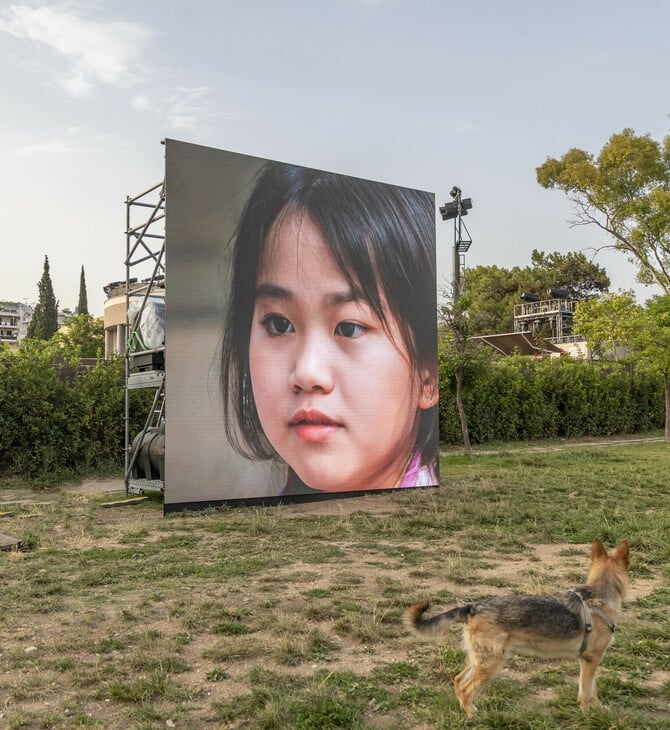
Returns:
<point x="97" y="486"/>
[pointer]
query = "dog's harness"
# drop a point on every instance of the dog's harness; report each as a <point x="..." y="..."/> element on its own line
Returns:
<point x="588" y="623"/>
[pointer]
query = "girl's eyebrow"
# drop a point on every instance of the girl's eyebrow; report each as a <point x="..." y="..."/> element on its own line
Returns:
<point x="334" y="299"/>
<point x="272" y="291"/>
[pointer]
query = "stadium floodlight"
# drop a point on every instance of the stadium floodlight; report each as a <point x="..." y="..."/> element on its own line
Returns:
<point x="449" y="211"/>
<point x="455" y="211"/>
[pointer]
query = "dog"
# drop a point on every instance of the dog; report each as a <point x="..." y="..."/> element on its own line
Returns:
<point x="575" y="624"/>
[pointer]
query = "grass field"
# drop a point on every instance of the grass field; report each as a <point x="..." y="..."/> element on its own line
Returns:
<point x="289" y="616"/>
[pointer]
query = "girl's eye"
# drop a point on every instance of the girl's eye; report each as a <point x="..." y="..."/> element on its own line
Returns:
<point x="276" y="325"/>
<point x="349" y="329"/>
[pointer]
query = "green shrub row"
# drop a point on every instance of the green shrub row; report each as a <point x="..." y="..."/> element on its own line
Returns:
<point x="58" y="418"/>
<point x="519" y="399"/>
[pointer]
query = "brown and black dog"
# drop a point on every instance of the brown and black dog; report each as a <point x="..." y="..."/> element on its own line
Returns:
<point x="575" y="624"/>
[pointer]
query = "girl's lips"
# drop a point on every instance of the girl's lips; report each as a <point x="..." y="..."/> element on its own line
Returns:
<point x="313" y="426"/>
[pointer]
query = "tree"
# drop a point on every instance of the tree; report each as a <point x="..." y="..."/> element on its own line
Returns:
<point x="83" y="336"/>
<point x="44" y="322"/>
<point x="460" y="357"/>
<point x="650" y="341"/>
<point x="454" y="317"/>
<point x="625" y="191"/>
<point x="645" y="331"/>
<point x="572" y="271"/>
<point x="605" y="322"/>
<point x="493" y="291"/>
<point x="82" y="307"/>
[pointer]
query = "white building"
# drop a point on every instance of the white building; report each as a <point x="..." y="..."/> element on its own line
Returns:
<point x="14" y="320"/>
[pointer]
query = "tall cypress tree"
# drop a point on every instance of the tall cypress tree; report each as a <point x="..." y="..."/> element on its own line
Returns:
<point x="44" y="323"/>
<point x="82" y="307"/>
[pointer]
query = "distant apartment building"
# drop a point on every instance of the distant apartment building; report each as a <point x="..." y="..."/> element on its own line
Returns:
<point x="14" y="320"/>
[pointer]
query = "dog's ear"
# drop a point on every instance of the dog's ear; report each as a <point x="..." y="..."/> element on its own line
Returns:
<point x="622" y="553"/>
<point x="597" y="549"/>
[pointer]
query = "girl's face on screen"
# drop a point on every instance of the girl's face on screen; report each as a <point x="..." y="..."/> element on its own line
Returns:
<point x="336" y="393"/>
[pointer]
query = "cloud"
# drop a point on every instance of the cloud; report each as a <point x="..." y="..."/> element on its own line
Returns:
<point x="465" y="126"/>
<point x="184" y="107"/>
<point x="373" y="5"/>
<point x="75" y="129"/>
<point x="68" y="141"/>
<point x="97" y="52"/>
<point x="57" y="146"/>
<point x="141" y="102"/>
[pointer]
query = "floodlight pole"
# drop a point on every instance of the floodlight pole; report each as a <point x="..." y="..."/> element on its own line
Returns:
<point x="458" y="223"/>
<point x="455" y="211"/>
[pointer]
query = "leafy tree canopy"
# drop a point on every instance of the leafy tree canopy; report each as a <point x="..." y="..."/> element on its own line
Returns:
<point x="606" y="321"/>
<point x="625" y="191"/>
<point x="645" y="331"/>
<point x="493" y="290"/>
<point x="572" y="271"/>
<point x="83" y="336"/>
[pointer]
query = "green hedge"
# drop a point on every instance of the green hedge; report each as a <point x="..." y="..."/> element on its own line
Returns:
<point x="518" y="399"/>
<point x="58" y="418"/>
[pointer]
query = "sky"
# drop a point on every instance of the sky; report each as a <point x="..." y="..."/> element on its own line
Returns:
<point x="421" y="93"/>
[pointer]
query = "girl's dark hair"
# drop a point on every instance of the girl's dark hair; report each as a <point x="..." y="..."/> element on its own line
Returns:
<point x="382" y="238"/>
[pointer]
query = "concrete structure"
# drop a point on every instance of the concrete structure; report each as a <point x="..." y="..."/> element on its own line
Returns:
<point x="115" y="318"/>
<point x="115" y="311"/>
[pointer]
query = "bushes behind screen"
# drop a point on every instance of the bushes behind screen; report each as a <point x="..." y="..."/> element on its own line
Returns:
<point x="520" y="399"/>
<point x="60" y="418"/>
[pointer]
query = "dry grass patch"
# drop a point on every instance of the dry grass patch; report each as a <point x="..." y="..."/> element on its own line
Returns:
<point x="289" y="617"/>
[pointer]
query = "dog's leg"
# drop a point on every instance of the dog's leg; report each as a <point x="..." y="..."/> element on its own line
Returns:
<point x="462" y="682"/>
<point x="588" y="694"/>
<point x="483" y="665"/>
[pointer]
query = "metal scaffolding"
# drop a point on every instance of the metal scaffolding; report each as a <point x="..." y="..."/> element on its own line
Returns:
<point x="558" y="313"/>
<point x="144" y="366"/>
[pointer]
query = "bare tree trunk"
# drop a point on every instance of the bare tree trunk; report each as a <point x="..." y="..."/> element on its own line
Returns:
<point x="461" y="411"/>
<point x="666" y="383"/>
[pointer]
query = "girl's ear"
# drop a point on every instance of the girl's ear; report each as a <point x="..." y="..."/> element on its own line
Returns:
<point x="429" y="392"/>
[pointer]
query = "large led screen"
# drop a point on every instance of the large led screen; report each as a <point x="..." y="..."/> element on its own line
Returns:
<point x="301" y="337"/>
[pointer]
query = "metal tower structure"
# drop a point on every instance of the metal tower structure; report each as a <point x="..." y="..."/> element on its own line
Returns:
<point x="462" y="240"/>
<point x="144" y="366"/>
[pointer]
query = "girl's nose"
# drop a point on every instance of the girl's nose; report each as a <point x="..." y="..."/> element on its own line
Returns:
<point x="312" y="369"/>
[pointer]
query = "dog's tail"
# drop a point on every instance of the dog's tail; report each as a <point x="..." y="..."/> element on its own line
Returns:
<point x="414" y="619"/>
